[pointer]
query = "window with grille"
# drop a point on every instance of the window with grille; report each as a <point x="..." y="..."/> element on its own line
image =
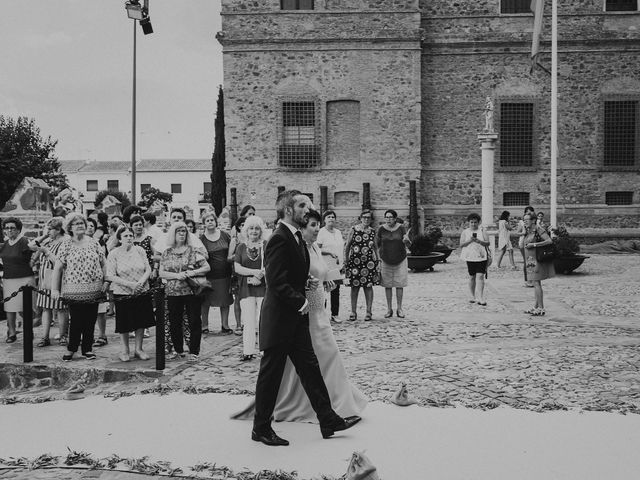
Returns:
<point x="92" y="185"/>
<point x="298" y="145"/>
<point x="621" y="5"/>
<point x="144" y="187"/>
<point x="515" y="199"/>
<point x="516" y="134"/>
<point x="176" y="188"/>
<point x="620" y="133"/>
<point x="618" y="198"/>
<point x="296" y="4"/>
<point x="515" y="6"/>
<point x="112" y="185"/>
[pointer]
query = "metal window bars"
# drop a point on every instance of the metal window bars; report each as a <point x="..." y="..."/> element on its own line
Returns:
<point x="515" y="199"/>
<point x="621" y="5"/>
<point x="620" y="133"/>
<point x="515" y="6"/>
<point x="516" y="134"/>
<point x="619" y="198"/>
<point x="298" y="147"/>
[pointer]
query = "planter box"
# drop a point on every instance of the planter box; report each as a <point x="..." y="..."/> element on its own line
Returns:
<point x="567" y="265"/>
<point x="420" y="263"/>
<point x="443" y="249"/>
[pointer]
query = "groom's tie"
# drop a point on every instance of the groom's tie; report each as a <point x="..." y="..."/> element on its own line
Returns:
<point x="301" y="246"/>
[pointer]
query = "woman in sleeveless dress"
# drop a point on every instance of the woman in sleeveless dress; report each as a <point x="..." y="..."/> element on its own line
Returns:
<point x="293" y="404"/>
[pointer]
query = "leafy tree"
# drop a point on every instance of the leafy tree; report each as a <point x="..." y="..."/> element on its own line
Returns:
<point x="151" y="195"/>
<point x="24" y="153"/>
<point x="123" y="197"/>
<point x="218" y="161"/>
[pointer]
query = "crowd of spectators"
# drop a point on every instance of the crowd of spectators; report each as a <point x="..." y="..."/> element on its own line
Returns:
<point x="87" y="269"/>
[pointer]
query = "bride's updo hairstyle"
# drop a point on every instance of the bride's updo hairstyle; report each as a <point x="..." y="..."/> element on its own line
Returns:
<point x="312" y="214"/>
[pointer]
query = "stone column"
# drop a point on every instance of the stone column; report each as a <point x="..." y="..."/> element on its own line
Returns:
<point x="488" y="147"/>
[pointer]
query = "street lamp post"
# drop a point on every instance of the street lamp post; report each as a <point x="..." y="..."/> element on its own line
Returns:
<point x="133" y="121"/>
<point x="138" y="12"/>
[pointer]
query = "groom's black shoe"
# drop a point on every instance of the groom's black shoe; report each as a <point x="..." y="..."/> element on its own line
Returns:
<point x="269" y="437"/>
<point x="340" y="424"/>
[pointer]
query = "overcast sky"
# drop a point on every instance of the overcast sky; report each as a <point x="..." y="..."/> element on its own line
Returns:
<point x="68" y="64"/>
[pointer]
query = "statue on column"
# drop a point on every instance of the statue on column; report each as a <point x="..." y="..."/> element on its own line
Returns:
<point x="488" y="116"/>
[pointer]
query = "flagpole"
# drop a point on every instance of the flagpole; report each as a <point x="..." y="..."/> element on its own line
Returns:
<point x="554" y="114"/>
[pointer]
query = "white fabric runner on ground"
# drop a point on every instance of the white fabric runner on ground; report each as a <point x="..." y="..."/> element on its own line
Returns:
<point x="403" y="442"/>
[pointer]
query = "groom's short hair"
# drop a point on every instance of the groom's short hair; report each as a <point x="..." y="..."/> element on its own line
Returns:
<point x="286" y="199"/>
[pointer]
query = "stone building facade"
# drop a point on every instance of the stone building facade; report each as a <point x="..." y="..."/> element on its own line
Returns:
<point x="336" y="93"/>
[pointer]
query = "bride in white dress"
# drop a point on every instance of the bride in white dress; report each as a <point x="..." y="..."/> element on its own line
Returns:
<point x="293" y="404"/>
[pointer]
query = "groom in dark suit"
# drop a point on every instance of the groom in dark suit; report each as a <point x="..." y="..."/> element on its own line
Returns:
<point x="284" y="325"/>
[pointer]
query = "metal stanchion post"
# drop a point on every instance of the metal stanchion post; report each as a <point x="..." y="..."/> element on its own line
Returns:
<point x="160" y="297"/>
<point x="27" y="323"/>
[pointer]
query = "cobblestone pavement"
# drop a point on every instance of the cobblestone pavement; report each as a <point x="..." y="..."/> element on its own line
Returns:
<point x="584" y="354"/>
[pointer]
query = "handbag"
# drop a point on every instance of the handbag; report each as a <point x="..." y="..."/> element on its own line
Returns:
<point x="199" y="284"/>
<point x="47" y="279"/>
<point x="489" y="256"/>
<point x="545" y="253"/>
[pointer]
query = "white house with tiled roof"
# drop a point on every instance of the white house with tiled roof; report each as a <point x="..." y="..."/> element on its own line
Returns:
<point x="187" y="179"/>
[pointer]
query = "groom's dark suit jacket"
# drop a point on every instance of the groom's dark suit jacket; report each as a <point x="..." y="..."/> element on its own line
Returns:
<point x="287" y="269"/>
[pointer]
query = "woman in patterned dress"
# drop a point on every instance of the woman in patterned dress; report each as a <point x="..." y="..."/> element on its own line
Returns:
<point x="128" y="270"/>
<point x="361" y="263"/>
<point x="179" y="261"/>
<point x="50" y="308"/>
<point x="536" y="236"/>
<point x="78" y="277"/>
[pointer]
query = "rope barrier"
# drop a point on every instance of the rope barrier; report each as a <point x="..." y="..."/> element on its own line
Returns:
<point x="27" y="313"/>
<point x="102" y="298"/>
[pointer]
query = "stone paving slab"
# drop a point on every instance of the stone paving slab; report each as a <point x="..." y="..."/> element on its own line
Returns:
<point x="583" y="354"/>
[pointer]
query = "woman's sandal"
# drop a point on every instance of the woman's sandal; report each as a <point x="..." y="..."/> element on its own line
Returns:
<point x="389" y="314"/>
<point x="400" y="313"/>
<point x="100" y="342"/>
<point x="367" y="317"/>
<point x="353" y="316"/>
<point x="44" y="342"/>
<point x="11" y="338"/>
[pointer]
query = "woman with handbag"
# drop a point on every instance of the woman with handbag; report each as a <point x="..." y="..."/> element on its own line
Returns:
<point x="249" y="266"/>
<point x="537" y="262"/>
<point x="474" y="243"/>
<point x="219" y="295"/>
<point x="50" y="308"/>
<point x="78" y="277"/>
<point x="128" y="270"/>
<point x="180" y="261"/>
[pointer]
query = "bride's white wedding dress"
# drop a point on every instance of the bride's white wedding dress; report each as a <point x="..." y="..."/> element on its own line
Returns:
<point x="292" y="403"/>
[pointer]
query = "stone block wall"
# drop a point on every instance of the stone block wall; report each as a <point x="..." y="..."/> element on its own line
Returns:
<point x="471" y="51"/>
<point x="361" y="68"/>
<point x="410" y="79"/>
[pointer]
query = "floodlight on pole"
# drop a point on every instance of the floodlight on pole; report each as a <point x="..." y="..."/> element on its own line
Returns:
<point x="134" y="10"/>
<point x="140" y="13"/>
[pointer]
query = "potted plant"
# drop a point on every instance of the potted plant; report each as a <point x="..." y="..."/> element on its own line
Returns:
<point x="567" y="257"/>
<point x="435" y="233"/>
<point x="422" y="255"/>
